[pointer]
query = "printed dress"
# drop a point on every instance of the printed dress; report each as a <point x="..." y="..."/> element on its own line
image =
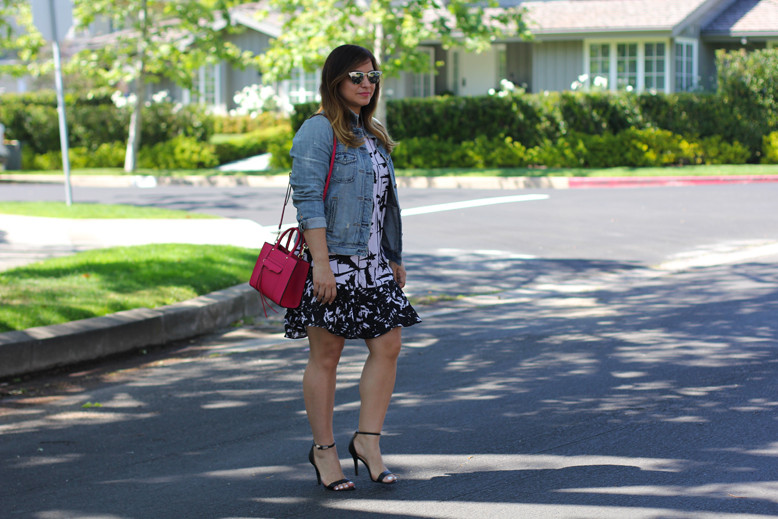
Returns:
<point x="369" y="302"/>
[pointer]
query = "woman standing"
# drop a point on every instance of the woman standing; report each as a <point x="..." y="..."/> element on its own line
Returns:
<point x="354" y="289"/>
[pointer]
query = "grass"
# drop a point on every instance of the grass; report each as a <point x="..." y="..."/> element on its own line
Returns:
<point x="104" y="281"/>
<point x="81" y="210"/>
<point x="704" y="170"/>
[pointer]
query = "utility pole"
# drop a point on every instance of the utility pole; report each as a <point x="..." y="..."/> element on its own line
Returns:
<point x="54" y="19"/>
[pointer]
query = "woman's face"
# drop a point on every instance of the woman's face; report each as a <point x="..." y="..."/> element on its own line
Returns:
<point x="357" y="96"/>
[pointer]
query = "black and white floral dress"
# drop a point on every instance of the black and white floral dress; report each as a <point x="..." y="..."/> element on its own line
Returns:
<point x="369" y="303"/>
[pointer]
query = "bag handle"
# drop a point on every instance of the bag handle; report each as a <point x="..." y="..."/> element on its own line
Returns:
<point x="326" y="184"/>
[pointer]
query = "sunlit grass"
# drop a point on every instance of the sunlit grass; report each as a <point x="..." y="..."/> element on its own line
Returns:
<point x="104" y="281"/>
<point x="82" y="210"/>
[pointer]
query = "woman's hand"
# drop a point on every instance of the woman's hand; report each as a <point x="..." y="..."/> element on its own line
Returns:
<point x="324" y="289"/>
<point x="399" y="273"/>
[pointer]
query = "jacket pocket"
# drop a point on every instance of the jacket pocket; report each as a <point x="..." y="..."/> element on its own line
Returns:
<point x="345" y="167"/>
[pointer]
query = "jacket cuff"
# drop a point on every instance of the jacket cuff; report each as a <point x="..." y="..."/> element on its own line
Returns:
<point x="316" y="222"/>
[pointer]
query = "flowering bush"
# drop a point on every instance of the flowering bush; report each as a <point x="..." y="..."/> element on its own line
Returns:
<point x="256" y="99"/>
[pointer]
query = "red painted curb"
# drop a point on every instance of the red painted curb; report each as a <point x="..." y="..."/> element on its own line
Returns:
<point x="583" y="182"/>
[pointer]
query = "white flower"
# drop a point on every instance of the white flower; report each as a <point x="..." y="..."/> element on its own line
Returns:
<point x="601" y="81"/>
<point x="492" y="91"/>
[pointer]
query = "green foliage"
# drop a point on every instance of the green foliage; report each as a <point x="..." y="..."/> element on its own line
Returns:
<point x="178" y="153"/>
<point x="94" y="120"/>
<point x="254" y="143"/>
<point x="239" y="124"/>
<point x="748" y="85"/>
<point x="770" y="148"/>
<point x="632" y="147"/>
<point x="279" y="149"/>
<point x="313" y="27"/>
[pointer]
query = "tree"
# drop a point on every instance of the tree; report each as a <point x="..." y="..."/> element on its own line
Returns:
<point x="392" y="30"/>
<point x="20" y="40"/>
<point x="155" y="39"/>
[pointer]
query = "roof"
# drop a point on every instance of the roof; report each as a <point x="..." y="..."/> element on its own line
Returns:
<point x="746" y="18"/>
<point x="576" y="16"/>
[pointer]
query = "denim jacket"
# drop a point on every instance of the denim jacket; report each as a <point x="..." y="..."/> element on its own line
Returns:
<point x="347" y="212"/>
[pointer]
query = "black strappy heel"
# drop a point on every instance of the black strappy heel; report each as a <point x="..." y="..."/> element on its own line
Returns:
<point x="356" y="457"/>
<point x="334" y="484"/>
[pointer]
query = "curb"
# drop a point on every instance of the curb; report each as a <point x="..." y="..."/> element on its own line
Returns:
<point x="142" y="181"/>
<point x="47" y="347"/>
<point x="588" y="182"/>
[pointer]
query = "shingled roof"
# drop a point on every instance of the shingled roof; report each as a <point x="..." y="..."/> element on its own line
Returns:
<point x="575" y="16"/>
<point x="746" y="18"/>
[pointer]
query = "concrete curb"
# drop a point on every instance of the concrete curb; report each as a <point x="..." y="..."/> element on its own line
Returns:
<point x="46" y="347"/>
<point x="410" y="182"/>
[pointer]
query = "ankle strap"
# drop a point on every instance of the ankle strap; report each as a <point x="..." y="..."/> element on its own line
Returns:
<point x="363" y="432"/>
<point x="323" y="447"/>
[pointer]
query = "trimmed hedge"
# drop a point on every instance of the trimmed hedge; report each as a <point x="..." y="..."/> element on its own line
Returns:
<point x="95" y="120"/>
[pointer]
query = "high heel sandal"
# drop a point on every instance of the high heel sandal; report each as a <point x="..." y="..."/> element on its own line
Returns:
<point x="353" y="451"/>
<point x="334" y="484"/>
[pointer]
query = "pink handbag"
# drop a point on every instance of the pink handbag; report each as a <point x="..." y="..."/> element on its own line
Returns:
<point x="280" y="271"/>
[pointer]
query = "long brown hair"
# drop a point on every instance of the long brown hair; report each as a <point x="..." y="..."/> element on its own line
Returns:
<point x="339" y="63"/>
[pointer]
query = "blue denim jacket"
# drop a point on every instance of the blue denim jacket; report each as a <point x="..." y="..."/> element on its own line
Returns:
<point x="347" y="212"/>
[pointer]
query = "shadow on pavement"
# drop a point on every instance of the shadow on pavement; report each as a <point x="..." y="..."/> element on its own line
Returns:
<point x="582" y="389"/>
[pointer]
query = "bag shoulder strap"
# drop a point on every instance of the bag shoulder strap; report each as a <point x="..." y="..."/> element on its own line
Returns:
<point x="326" y="184"/>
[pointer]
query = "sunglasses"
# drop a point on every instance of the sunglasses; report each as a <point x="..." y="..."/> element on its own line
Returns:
<point x="374" y="76"/>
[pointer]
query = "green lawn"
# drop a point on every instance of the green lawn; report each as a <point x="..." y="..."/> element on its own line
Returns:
<point x="79" y="210"/>
<point x="104" y="281"/>
<point x="735" y="169"/>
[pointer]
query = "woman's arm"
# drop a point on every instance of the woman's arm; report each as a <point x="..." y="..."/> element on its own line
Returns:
<point x="324" y="289"/>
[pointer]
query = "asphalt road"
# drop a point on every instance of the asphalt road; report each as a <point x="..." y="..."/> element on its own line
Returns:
<point x="596" y="354"/>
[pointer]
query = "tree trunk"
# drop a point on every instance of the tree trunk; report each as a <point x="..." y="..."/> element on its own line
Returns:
<point x="136" y="124"/>
<point x="136" y="119"/>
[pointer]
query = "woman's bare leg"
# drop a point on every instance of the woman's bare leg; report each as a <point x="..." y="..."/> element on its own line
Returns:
<point x="319" y="394"/>
<point x="375" y="389"/>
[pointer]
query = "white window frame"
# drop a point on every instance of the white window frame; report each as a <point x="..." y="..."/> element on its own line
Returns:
<point x="613" y="61"/>
<point x="423" y="83"/>
<point x="302" y="86"/>
<point x="695" y="63"/>
<point x="201" y="90"/>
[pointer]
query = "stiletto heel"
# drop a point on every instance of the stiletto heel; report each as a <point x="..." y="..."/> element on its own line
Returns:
<point x="357" y="458"/>
<point x="334" y="484"/>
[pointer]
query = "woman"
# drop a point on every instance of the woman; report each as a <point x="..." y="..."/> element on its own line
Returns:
<point x="354" y="289"/>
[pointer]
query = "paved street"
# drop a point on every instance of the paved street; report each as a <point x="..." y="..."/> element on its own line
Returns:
<point x="547" y="380"/>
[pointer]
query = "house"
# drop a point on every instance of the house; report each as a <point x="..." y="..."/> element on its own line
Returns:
<point x="638" y="45"/>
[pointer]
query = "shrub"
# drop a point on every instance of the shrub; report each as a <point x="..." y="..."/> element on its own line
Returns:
<point x="250" y="144"/>
<point x="178" y="153"/>
<point x="748" y="84"/>
<point x="716" y="151"/>
<point x="770" y="148"/>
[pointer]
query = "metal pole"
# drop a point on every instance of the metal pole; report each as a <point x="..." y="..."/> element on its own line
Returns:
<point x="63" y="128"/>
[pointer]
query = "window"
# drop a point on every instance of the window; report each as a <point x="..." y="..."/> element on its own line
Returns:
<point x="626" y="66"/>
<point x="654" y="65"/>
<point x="424" y="82"/>
<point x="685" y="71"/>
<point x="303" y="86"/>
<point x="205" y="87"/>
<point x="599" y="60"/>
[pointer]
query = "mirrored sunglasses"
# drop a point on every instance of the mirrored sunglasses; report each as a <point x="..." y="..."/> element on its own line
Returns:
<point x="374" y="76"/>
